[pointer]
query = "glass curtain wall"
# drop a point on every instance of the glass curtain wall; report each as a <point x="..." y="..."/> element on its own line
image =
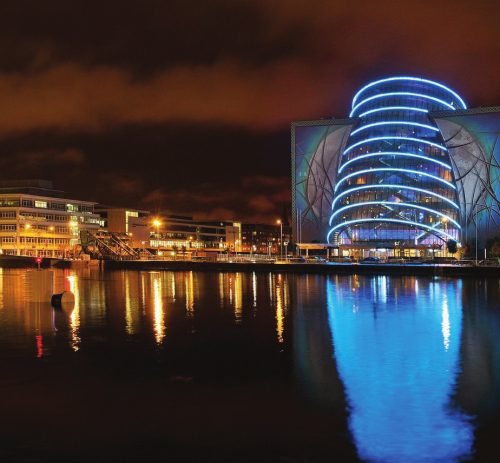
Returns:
<point x="395" y="182"/>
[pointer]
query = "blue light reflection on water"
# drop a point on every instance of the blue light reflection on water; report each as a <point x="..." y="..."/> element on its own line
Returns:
<point x="398" y="358"/>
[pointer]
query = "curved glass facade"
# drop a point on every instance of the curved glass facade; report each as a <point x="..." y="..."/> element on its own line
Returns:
<point x="395" y="184"/>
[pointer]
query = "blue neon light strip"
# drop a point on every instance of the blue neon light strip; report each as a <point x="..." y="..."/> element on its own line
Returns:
<point x="393" y="153"/>
<point x="414" y="79"/>
<point x="393" y="108"/>
<point x="416" y="95"/>
<point x="406" y="222"/>
<point x="413" y="124"/>
<point x="393" y="169"/>
<point x="368" y="140"/>
<point x="399" y="187"/>
<point x="393" y="203"/>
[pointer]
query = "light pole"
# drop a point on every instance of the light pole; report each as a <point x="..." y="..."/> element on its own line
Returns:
<point x="156" y="225"/>
<point x="280" y="223"/>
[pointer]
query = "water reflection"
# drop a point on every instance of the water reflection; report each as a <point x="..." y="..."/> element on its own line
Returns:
<point x="254" y="289"/>
<point x="159" y="317"/>
<point x="75" y="314"/>
<point x="398" y="358"/>
<point x="189" y="284"/>
<point x="399" y="364"/>
<point x="231" y="292"/>
<point x="280" y="307"/>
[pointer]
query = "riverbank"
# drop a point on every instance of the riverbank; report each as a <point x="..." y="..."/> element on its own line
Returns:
<point x="446" y="270"/>
<point x="7" y="261"/>
<point x="330" y="267"/>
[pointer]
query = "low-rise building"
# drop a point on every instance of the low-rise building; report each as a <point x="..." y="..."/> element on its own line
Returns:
<point x="264" y="238"/>
<point x="185" y="233"/>
<point x="37" y="220"/>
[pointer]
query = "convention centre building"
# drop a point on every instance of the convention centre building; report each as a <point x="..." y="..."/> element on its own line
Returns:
<point x="411" y="172"/>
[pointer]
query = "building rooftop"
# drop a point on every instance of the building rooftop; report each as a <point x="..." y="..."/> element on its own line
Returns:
<point x="35" y="187"/>
<point x="102" y="207"/>
<point x="31" y="187"/>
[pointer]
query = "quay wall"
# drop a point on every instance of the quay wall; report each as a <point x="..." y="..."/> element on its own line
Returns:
<point x="299" y="268"/>
<point x="329" y="268"/>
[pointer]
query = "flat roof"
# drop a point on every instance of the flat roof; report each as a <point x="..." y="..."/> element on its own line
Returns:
<point x="49" y="198"/>
<point x="100" y="206"/>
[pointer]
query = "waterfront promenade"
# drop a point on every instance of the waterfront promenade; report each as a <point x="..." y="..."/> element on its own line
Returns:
<point x="350" y="268"/>
<point x="327" y="267"/>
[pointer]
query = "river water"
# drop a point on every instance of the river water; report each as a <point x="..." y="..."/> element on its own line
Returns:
<point x="244" y="367"/>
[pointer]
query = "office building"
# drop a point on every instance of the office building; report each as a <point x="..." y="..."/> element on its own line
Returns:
<point x="264" y="238"/>
<point x="184" y="233"/>
<point x="37" y="220"/>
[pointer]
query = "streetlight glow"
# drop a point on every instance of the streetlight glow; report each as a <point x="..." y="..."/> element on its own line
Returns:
<point x="280" y="223"/>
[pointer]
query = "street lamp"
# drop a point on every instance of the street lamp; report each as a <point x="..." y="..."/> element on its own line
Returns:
<point x="280" y="223"/>
<point x="156" y="223"/>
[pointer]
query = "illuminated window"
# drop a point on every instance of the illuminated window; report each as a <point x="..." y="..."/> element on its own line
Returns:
<point x="41" y="204"/>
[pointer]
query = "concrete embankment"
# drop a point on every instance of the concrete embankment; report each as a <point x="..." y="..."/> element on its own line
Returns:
<point x="30" y="262"/>
<point x="331" y="268"/>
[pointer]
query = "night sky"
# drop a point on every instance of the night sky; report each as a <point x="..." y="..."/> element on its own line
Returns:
<point x="186" y="105"/>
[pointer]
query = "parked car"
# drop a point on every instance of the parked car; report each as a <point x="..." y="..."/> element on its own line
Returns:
<point x="370" y="260"/>
<point x="316" y="259"/>
<point x="416" y="262"/>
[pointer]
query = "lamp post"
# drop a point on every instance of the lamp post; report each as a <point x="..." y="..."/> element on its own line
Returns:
<point x="280" y="223"/>
<point x="156" y="225"/>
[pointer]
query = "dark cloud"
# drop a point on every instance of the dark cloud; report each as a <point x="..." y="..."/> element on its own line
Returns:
<point x="32" y="161"/>
<point x="252" y="199"/>
<point x="166" y="96"/>
<point x="69" y="97"/>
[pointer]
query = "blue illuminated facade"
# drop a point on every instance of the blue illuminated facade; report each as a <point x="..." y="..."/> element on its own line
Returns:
<point x="395" y="183"/>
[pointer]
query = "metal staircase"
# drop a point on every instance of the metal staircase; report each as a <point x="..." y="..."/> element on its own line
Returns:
<point x="108" y="245"/>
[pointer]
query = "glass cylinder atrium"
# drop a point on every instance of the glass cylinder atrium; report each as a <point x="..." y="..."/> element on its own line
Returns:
<point x="395" y="184"/>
